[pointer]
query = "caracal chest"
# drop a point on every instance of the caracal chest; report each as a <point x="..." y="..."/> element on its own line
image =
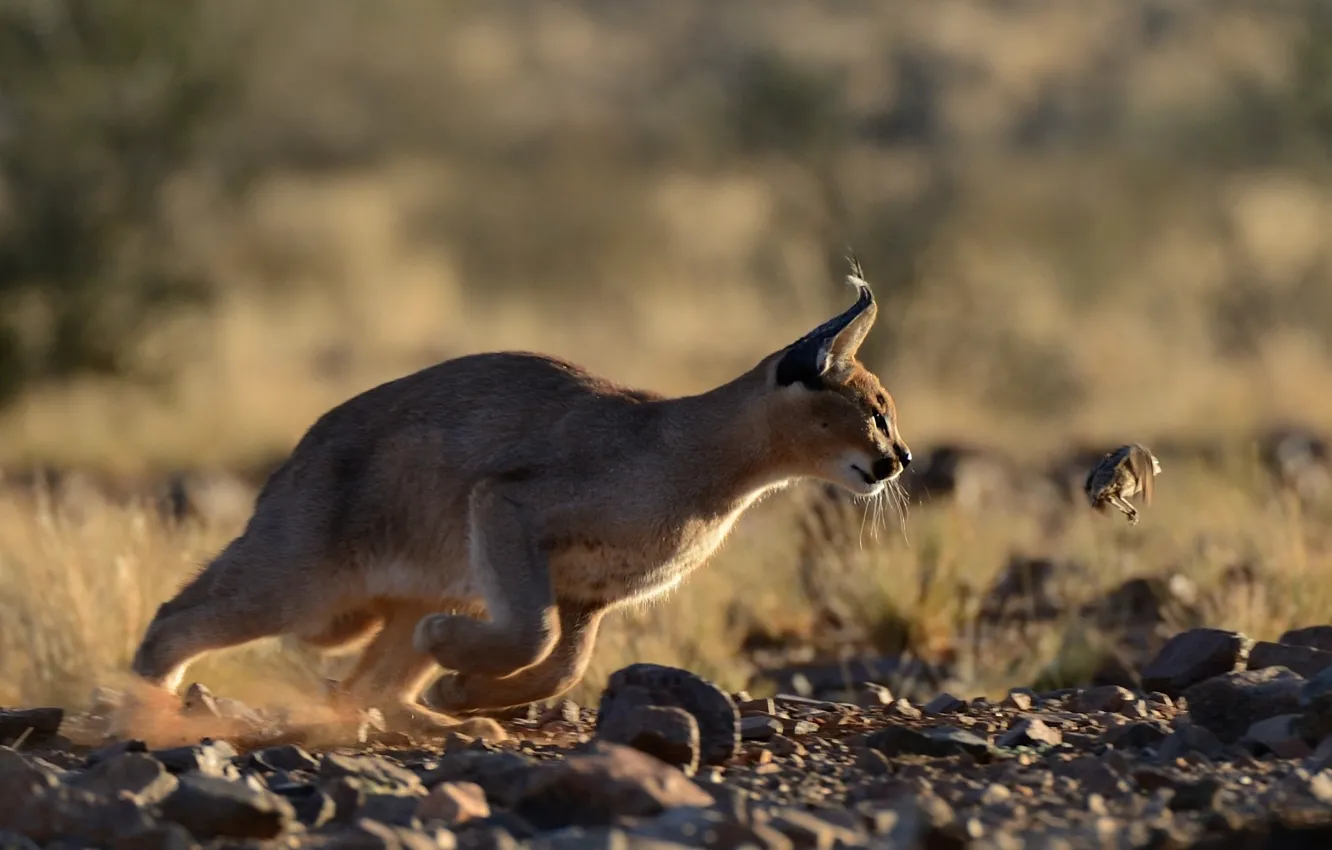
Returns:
<point x="627" y="562"/>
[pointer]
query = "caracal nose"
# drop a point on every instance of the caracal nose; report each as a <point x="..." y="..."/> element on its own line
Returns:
<point x="903" y="454"/>
<point x="884" y="467"/>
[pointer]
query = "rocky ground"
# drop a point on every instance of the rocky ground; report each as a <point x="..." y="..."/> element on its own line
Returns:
<point x="1226" y="744"/>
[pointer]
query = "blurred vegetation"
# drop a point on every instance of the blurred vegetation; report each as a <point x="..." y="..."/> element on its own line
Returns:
<point x="102" y="102"/>
<point x="1049" y="201"/>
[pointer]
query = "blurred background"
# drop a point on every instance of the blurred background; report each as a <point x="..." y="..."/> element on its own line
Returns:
<point x="1087" y="223"/>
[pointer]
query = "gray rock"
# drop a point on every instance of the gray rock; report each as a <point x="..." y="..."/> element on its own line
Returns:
<point x="1304" y="660"/>
<point x="1191" y="657"/>
<point x="31" y="724"/>
<point x="604" y="781"/>
<point x="209" y="757"/>
<point x="138" y="774"/>
<point x="1110" y="698"/>
<point x="500" y="775"/>
<point x="1229" y="704"/>
<point x="759" y="728"/>
<point x="1029" y="732"/>
<point x="375" y="769"/>
<point x="286" y="757"/>
<point x="210" y="807"/>
<point x="653" y="684"/>
<point x="940" y="741"/>
<point x="666" y="732"/>
<point x="1318" y="637"/>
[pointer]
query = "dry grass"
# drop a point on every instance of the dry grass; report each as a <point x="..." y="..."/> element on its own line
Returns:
<point x="1081" y="231"/>
<point x="79" y="586"/>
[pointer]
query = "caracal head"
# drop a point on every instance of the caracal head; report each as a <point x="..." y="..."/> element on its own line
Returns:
<point x="828" y="416"/>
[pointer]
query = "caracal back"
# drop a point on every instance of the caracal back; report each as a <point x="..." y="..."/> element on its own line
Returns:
<point x="483" y="514"/>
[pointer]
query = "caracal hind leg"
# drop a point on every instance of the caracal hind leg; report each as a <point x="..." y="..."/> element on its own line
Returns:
<point x="391" y="672"/>
<point x="513" y="575"/>
<point x="225" y="605"/>
<point x="555" y="675"/>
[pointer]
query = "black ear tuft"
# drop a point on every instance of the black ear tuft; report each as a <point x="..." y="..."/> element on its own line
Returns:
<point x="799" y="365"/>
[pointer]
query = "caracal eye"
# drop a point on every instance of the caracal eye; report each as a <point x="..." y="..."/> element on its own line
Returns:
<point x="881" y="422"/>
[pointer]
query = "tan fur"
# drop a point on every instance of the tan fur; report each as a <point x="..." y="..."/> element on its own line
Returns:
<point x="484" y="513"/>
<point x="1120" y="475"/>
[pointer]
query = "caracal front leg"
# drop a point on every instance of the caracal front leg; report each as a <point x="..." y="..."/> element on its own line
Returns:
<point x="560" y="671"/>
<point x="514" y="577"/>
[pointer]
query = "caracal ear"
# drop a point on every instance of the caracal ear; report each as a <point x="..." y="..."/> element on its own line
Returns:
<point x="833" y="343"/>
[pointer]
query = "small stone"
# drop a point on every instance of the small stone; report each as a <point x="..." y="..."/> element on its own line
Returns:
<point x="209" y="757"/>
<point x="454" y="803"/>
<point x="375" y="769"/>
<point x="944" y="703"/>
<point x="1137" y="736"/>
<point x="780" y="745"/>
<point x="1018" y="698"/>
<point x="565" y="710"/>
<point x="1278" y="735"/>
<point x="1112" y="698"/>
<point x="759" y="728"/>
<point x="1031" y="732"/>
<point x="941" y="741"/>
<point x="904" y="709"/>
<point x="199" y="702"/>
<point x="1304" y="660"/>
<point x="288" y="757"/>
<point x="1317" y="637"/>
<point x="1191" y="657"/>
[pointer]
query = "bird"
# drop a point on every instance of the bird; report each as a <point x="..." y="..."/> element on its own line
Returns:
<point x="1121" y="474"/>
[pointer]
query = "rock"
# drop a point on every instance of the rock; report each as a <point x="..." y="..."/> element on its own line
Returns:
<point x="375" y="769"/>
<point x="139" y="775"/>
<point x="1019" y="698"/>
<point x="1190" y="738"/>
<point x="669" y="733"/>
<point x="211" y="758"/>
<point x="313" y="806"/>
<point x="454" y="803"/>
<point x="370" y="833"/>
<point x="1030" y="732"/>
<point x="759" y="728"/>
<point x="1316" y="700"/>
<point x="1191" y="657"/>
<point x="1229" y="704"/>
<point x="872" y="694"/>
<point x="690" y="826"/>
<point x="565" y="711"/>
<point x="286" y="757"/>
<point x="30" y="724"/>
<point x="1304" y="660"/>
<point x="805" y="829"/>
<point x="944" y="703"/>
<point x="198" y="701"/>
<point x="161" y="836"/>
<point x="500" y="775"/>
<point x="1317" y="637"/>
<point x="210" y="807"/>
<point x="1137" y="735"/>
<point x="941" y="741"/>
<point x="601" y="783"/>
<point x="1110" y="698"/>
<point x="1278" y="735"/>
<point x="714" y="712"/>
